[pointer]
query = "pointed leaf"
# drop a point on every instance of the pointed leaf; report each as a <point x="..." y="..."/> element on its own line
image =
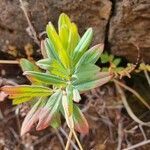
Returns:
<point x="49" y="110"/>
<point x="83" y="45"/>
<point x="32" y="116"/>
<point x="91" y="56"/>
<point x="53" y="67"/>
<point x="44" y="63"/>
<point x="63" y="20"/>
<point x="26" y="65"/>
<point x="69" y="92"/>
<point x="81" y="124"/>
<point x="46" y="78"/>
<point x="20" y="100"/>
<point x="55" y="40"/>
<point x="64" y="35"/>
<point x="50" y="50"/>
<point x="26" y="91"/>
<point x="101" y="79"/>
<point x="67" y="114"/>
<point x="73" y="38"/>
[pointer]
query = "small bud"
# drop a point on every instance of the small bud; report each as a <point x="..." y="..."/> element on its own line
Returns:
<point x="76" y="95"/>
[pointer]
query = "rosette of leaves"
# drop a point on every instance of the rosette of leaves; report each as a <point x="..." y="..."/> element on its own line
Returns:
<point x="66" y="70"/>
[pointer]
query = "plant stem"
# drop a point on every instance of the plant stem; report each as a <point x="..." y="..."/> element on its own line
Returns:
<point x="129" y="110"/>
<point x="133" y="92"/>
<point x="9" y="62"/>
<point x="68" y="141"/>
<point x="33" y="33"/>
<point x="138" y="145"/>
<point x="78" y="142"/>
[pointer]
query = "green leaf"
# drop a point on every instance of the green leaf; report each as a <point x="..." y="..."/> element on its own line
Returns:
<point x="91" y="56"/>
<point x="69" y="92"/>
<point x="68" y="33"/>
<point x="53" y="67"/>
<point x="46" y="78"/>
<point x="104" y="58"/>
<point x="56" y="120"/>
<point x="64" y="24"/>
<point x="85" y="73"/>
<point x="116" y="61"/>
<point x="83" y="45"/>
<point x="73" y="38"/>
<point x="86" y="68"/>
<point x="63" y="20"/>
<point x="55" y="40"/>
<point x="66" y="107"/>
<point x="81" y="124"/>
<point x="64" y="35"/>
<point x="101" y="79"/>
<point x="20" y="100"/>
<point x="28" y="91"/>
<point x="58" y="70"/>
<point x="50" y="50"/>
<point x="44" y="63"/>
<point x="26" y="65"/>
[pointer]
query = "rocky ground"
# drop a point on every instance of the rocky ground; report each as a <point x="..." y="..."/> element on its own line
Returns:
<point x="123" y="25"/>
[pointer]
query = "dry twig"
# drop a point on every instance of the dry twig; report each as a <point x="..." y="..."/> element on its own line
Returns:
<point x="137" y="145"/>
<point x="32" y="32"/>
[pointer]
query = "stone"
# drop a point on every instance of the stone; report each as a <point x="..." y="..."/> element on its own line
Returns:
<point x="130" y="28"/>
<point x="13" y="24"/>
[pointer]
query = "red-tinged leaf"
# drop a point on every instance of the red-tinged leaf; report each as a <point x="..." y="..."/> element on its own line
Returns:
<point x="26" y="65"/>
<point x="3" y="95"/>
<point x="26" y="91"/>
<point x="47" y="112"/>
<point x="99" y="80"/>
<point x="81" y="124"/>
<point x="31" y="118"/>
<point x="44" y="119"/>
<point x="30" y="121"/>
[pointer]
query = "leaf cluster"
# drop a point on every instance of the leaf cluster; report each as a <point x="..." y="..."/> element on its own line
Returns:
<point x="66" y="70"/>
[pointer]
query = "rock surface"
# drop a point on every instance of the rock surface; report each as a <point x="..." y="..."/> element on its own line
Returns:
<point x="86" y="14"/>
<point x="130" y="27"/>
<point x="121" y="24"/>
